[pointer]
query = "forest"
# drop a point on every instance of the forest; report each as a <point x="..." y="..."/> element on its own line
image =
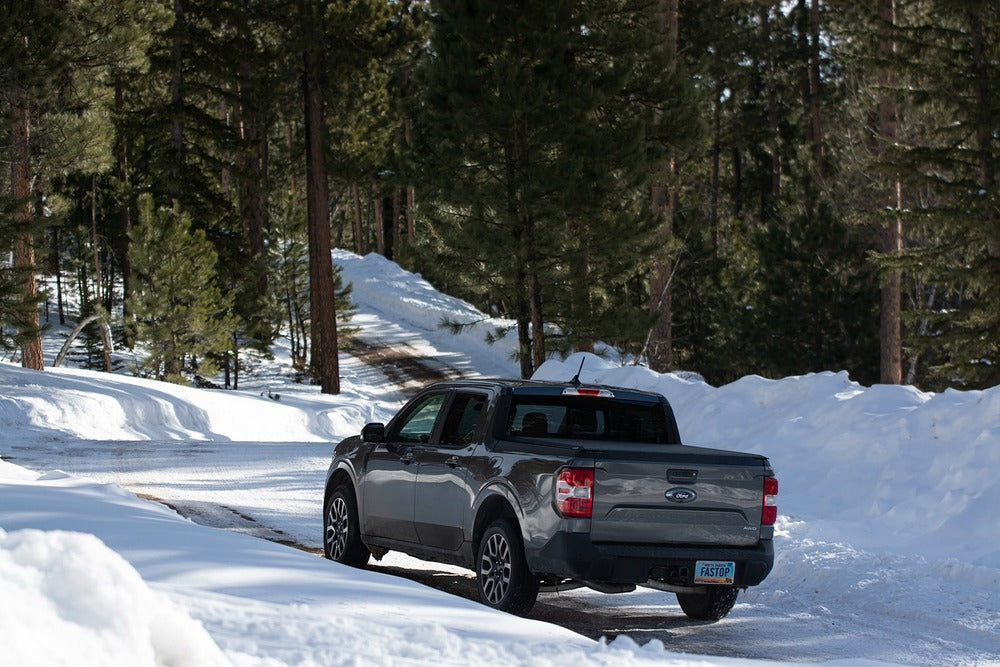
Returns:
<point x="729" y="187"/>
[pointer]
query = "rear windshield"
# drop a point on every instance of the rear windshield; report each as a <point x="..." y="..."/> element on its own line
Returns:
<point x="585" y="418"/>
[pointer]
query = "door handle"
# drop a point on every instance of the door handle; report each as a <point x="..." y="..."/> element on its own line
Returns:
<point x="407" y="458"/>
<point x="680" y="476"/>
<point x="453" y="461"/>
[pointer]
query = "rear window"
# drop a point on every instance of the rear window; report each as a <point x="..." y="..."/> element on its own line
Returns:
<point x="585" y="418"/>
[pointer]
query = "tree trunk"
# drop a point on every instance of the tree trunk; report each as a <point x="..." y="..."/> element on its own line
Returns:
<point x="890" y="327"/>
<point x="57" y="270"/>
<point x="360" y="239"/>
<point x="411" y="218"/>
<point x="716" y="159"/>
<point x="226" y="174"/>
<point x="816" y="133"/>
<point x="537" y="320"/>
<point x="105" y="331"/>
<point x="324" y="318"/>
<point x="379" y="222"/>
<point x="94" y="239"/>
<point x="24" y="246"/>
<point x="176" y="98"/>
<point x="664" y="203"/>
<point x="236" y="364"/>
<point x="580" y="288"/>
<point x="397" y="221"/>
<point x="121" y="170"/>
<point x="523" y="314"/>
<point x="985" y="127"/>
<point x="252" y="178"/>
<point x="772" y="106"/>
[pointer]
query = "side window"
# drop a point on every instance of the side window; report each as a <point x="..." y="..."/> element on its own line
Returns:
<point x="419" y="423"/>
<point x="462" y="422"/>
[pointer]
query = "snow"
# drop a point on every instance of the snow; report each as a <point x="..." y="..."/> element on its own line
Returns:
<point x="70" y="586"/>
<point x="888" y="467"/>
<point x="887" y="543"/>
<point x="400" y="307"/>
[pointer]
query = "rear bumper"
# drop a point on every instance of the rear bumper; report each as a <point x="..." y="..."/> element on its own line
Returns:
<point x="574" y="556"/>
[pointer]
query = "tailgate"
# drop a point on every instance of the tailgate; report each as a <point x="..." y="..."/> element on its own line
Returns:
<point x="685" y="495"/>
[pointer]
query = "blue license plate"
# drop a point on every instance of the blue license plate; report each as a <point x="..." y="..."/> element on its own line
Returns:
<point x="714" y="572"/>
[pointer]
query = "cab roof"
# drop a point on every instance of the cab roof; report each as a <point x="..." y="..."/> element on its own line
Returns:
<point x="547" y="388"/>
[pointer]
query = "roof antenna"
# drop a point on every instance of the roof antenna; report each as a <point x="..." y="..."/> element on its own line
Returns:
<point x="576" y="378"/>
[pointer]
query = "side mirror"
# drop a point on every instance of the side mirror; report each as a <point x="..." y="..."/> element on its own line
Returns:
<point x="373" y="432"/>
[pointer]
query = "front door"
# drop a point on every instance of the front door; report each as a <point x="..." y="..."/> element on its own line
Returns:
<point x="392" y="470"/>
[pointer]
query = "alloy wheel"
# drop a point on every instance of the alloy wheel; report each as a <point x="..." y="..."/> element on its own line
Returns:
<point x="495" y="568"/>
<point x="337" y="527"/>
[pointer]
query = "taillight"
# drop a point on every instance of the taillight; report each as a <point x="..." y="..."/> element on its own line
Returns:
<point x="575" y="492"/>
<point x="770" y="511"/>
<point x="586" y="391"/>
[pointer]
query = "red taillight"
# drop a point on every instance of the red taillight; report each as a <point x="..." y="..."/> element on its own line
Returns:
<point x="586" y="391"/>
<point x="770" y="511"/>
<point x="575" y="492"/>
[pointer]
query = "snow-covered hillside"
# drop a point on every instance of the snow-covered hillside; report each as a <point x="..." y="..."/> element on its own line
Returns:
<point x="888" y="541"/>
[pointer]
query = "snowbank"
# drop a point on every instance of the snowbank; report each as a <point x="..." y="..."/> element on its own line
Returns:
<point x="174" y="593"/>
<point x="69" y="600"/>
<point x="400" y="307"/>
<point x="887" y="543"/>
<point x="66" y="403"/>
<point x="885" y="467"/>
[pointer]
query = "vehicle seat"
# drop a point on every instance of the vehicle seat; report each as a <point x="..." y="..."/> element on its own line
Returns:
<point x="535" y="423"/>
<point x="582" y="422"/>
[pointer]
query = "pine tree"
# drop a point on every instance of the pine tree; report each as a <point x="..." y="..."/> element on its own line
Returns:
<point x="181" y="314"/>
<point x="949" y="161"/>
<point x="60" y="61"/>
<point x="31" y="61"/>
<point x="539" y="126"/>
<point x="938" y="182"/>
<point x="772" y="279"/>
<point x="19" y="323"/>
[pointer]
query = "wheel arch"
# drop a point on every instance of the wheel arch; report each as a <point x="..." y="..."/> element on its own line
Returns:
<point x="342" y="475"/>
<point x="495" y="503"/>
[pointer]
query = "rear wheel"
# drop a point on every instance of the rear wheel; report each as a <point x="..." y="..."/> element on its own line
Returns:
<point x="341" y="532"/>
<point x="502" y="574"/>
<point x="710" y="606"/>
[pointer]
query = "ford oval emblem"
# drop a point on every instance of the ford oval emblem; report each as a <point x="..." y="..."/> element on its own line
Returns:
<point x="680" y="495"/>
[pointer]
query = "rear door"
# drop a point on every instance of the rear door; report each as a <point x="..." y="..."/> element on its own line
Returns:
<point x="442" y="496"/>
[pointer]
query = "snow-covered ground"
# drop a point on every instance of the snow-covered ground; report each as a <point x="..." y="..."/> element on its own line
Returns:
<point x="888" y="540"/>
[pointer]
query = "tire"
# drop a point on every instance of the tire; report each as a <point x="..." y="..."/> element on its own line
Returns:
<point x="341" y="532"/>
<point x="502" y="574"/>
<point x="710" y="606"/>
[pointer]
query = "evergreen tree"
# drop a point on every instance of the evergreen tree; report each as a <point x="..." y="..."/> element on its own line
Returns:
<point x="772" y="278"/>
<point x="948" y="163"/>
<point x="290" y="259"/>
<point x="539" y="127"/>
<point x="60" y="62"/>
<point x="32" y="61"/>
<point x="19" y="323"/>
<point x="936" y="179"/>
<point x="197" y="129"/>
<point x="181" y="313"/>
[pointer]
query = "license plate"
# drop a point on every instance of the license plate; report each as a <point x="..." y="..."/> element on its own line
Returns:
<point x="714" y="572"/>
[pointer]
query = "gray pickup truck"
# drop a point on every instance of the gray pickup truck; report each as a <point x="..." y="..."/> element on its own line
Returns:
<point x="546" y="487"/>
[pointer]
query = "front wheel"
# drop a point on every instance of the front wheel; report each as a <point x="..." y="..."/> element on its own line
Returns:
<point x="710" y="606"/>
<point x="341" y="531"/>
<point x="502" y="574"/>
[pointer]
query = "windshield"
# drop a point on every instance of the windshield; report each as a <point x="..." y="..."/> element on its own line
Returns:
<point x="583" y="418"/>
